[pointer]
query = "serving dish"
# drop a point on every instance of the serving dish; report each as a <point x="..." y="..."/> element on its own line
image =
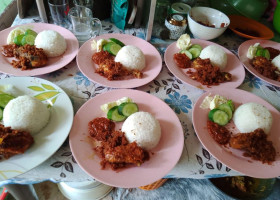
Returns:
<point x="242" y="53"/>
<point x="150" y="72"/>
<point x="51" y="137"/>
<point x="234" y="66"/>
<point x="162" y="158"/>
<point x="53" y="64"/>
<point x="233" y="158"/>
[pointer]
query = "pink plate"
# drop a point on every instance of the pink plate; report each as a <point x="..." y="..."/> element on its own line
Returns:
<point x="242" y="53"/>
<point x="150" y="72"/>
<point x="162" y="158"/>
<point x="234" y="67"/>
<point x="53" y="63"/>
<point x="231" y="157"/>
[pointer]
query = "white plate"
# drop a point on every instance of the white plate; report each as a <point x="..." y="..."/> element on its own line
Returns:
<point x="49" y="139"/>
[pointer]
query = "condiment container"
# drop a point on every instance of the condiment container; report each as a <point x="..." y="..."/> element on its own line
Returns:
<point x="85" y="190"/>
<point x="180" y="8"/>
<point x="177" y="24"/>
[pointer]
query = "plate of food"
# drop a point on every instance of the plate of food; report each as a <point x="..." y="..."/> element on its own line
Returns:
<point x="124" y="148"/>
<point x="119" y="61"/>
<point x="36" y="48"/>
<point x="240" y="130"/>
<point x="36" y="118"/>
<point x="203" y="64"/>
<point x="262" y="59"/>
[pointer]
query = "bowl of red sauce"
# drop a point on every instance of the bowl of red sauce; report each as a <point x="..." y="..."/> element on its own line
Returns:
<point x="207" y="23"/>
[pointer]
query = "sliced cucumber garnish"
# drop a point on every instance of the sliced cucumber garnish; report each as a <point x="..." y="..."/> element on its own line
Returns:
<point x="127" y="109"/>
<point x="218" y="116"/>
<point x="4" y="99"/>
<point x="226" y="108"/>
<point x="117" y="42"/>
<point x="1" y="113"/>
<point x="112" y="48"/>
<point x="194" y="51"/>
<point x="187" y="53"/>
<point x="197" y="46"/>
<point x="230" y="103"/>
<point x="113" y="114"/>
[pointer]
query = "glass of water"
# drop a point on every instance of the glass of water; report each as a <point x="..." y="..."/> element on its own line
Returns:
<point x="84" y="25"/>
<point x="59" y="11"/>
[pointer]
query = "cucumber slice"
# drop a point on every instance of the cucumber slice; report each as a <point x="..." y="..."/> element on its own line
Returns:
<point x="28" y="39"/>
<point x="187" y="53"/>
<point x="259" y="52"/>
<point x="18" y="39"/>
<point x="266" y="54"/>
<point x="226" y="108"/>
<point x="112" y="48"/>
<point x="218" y="116"/>
<point x="4" y="99"/>
<point x="114" y="115"/>
<point x="195" y="52"/>
<point x="127" y="109"/>
<point x="117" y="42"/>
<point x="197" y="46"/>
<point x="230" y="103"/>
<point x="1" y="113"/>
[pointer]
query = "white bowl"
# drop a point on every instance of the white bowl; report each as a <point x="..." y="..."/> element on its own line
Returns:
<point x="210" y="16"/>
<point x="86" y="190"/>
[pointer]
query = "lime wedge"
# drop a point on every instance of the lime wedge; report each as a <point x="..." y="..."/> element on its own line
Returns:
<point x="28" y="39"/>
<point x="18" y="39"/>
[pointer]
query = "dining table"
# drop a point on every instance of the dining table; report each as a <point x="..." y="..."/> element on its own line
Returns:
<point x="195" y="163"/>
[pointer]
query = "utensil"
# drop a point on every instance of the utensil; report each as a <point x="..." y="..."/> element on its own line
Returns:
<point x="59" y="10"/>
<point x="84" y="25"/>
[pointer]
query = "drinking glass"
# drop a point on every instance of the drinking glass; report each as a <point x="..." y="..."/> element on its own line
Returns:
<point x="86" y="3"/>
<point x="59" y="10"/>
<point x="84" y="25"/>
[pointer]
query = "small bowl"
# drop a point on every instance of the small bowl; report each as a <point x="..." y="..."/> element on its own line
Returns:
<point x="249" y="28"/>
<point x="200" y="20"/>
<point x="224" y="6"/>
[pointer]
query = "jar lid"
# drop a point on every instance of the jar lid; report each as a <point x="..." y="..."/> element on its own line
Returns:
<point x="181" y="8"/>
<point x="177" y="19"/>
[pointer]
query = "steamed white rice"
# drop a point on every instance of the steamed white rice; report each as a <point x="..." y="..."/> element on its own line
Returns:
<point x="276" y="62"/>
<point x="26" y="113"/>
<point x="131" y="57"/>
<point x="216" y="54"/>
<point x="51" y="42"/>
<point x="143" y="128"/>
<point x="250" y="116"/>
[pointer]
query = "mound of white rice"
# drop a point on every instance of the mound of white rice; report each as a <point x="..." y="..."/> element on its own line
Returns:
<point x="250" y="116"/>
<point x="216" y="54"/>
<point x="143" y="128"/>
<point x="276" y="62"/>
<point x="131" y="57"/>
<point x="51" y="42"/>
<point x="26" y="113"/>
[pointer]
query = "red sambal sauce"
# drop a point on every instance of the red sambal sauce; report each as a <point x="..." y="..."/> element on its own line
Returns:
<point x="101" y="128"/>
<point x="182" y="60"/>
<point x="219" y="133"/>
<point x="8" y="50"/>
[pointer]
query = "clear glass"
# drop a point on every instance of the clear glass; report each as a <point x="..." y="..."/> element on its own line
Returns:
<point x="86" y="3"/>
<point x="59" y="12"/>
<point x="84" y="25"/>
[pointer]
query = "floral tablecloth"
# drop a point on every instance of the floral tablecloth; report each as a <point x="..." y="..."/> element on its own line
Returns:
<point x="195" y="162"/>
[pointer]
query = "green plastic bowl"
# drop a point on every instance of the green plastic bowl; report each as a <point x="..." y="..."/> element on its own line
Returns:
<point x="253" y="9"/>
<point x="224" y="6"/>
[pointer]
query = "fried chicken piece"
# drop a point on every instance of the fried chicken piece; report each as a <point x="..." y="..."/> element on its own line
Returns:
<point x="255" y="145"/>
<point x="182" y="60"/>
<point x="207" y="74"/>
<point x="14" y="142"/>
<point x="30" y="56"/>
<point x="8" y="50"/>
<point x="265" y="67"/>
<point x="101" y="128"/>
<point x="100" y="57"/>
<point x="130" y="153"/>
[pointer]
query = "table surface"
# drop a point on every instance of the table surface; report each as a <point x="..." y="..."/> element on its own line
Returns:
<point x="195" y="162"/>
